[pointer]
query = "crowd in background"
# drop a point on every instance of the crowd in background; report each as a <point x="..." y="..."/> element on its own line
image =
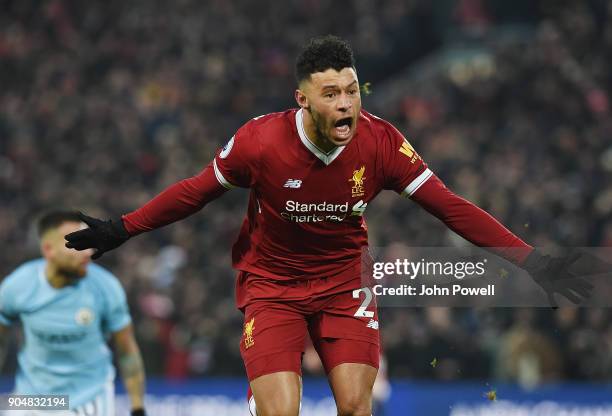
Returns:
<point x="104" y="104"/>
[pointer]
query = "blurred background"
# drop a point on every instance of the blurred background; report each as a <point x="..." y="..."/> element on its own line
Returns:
<point x="104" y="104"/>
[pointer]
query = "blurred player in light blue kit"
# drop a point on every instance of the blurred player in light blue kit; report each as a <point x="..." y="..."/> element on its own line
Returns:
<point x="68" y="309"/>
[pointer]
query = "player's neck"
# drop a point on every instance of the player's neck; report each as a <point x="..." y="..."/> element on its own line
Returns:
<point x="55" y="278"/>
<point x="314" y="136"/>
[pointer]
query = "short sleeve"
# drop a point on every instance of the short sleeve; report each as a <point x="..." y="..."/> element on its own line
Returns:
<point x="8" y="314"/>
<point x="404" y="170"/>
<point x="116" y="314"/>
<point x="236" y="163"/>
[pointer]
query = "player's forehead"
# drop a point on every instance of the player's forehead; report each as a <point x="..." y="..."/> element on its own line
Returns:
<point x="71" y="226"/>
<point x="331" y="78"/>
<point x="64" y="228"/>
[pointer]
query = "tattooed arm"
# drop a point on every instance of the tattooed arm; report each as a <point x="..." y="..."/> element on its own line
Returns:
<point x="130" y="365"/>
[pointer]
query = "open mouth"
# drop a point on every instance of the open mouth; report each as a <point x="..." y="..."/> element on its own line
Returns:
<point x="343" y="127"/>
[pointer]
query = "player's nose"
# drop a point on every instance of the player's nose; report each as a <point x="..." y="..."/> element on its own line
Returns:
<point x="344" y="102"/>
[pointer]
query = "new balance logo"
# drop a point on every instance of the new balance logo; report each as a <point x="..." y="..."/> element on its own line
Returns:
<point x="292" y="183"/>
<point x="372" y="324"/>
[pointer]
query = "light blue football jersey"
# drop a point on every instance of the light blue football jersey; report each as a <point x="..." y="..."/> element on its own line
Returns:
<point x="65" y="330"/>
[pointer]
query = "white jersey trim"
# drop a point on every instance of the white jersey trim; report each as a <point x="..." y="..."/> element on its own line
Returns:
<point x="221" y="178"/>
<point x="326" y="158"/>
<point x="417" y="183"/>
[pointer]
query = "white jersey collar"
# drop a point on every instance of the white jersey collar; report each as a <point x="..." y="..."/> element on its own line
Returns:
<point x="326" y="158"/>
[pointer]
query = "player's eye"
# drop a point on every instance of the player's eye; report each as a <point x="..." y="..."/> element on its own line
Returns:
<point x="352" y="92"/>
<point x="329" y="95"/>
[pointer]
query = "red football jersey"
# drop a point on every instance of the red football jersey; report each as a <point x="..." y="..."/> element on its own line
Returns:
<point x="305" y="215"/>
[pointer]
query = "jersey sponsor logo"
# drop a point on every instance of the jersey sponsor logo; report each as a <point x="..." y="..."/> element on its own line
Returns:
<point x="358" y="189"/>
<point x="372" y="324"/>
<point x="407" y="149"/>
<point x="66" y="338"/>
<point x="84" y="316"/>
<point x="295" y="206"/>
<point x="293" y="183"/>
<point x="249" y="327"/>
<point x="359" y="208"/>
<point x="227" y="148"/>
<point x="314" y="212"/>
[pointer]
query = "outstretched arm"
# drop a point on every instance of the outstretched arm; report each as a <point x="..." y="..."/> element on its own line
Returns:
<point x="174" y="203"/>
<point x="470" y="221"/>
<point x="405" y="172"/>
<point x="236" y="164"/>
<point x="553" y="274"/>
<point x="131" y="367"/>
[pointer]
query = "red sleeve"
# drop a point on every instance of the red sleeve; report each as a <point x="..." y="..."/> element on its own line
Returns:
<point x="404" y="171"/>
<point x="470" y="222"/>
<point x="236" y="165"/>
<point x="175" y="202"/>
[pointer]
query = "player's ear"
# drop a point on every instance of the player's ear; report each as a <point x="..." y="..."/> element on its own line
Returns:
<point x="301" y="99"/>
<point x="46" y="248"/>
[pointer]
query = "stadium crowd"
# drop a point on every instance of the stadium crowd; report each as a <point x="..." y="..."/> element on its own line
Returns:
<point x="103" y="104"/>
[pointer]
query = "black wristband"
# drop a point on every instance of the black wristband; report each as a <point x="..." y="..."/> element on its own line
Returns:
<point x="119" y="228"/>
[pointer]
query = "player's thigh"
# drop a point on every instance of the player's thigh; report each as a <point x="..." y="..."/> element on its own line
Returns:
<point x="346" y="330"/>
<point x="276" y="394"/>
<point x="352" y="384"/>
<point x="273" y="339"/>
<point x="351" y="366"/>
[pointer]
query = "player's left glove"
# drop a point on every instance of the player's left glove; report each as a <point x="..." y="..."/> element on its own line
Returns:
<point x="561" y="275"/>
<point x="101" y="235"/>
<point x="138" y="412"/>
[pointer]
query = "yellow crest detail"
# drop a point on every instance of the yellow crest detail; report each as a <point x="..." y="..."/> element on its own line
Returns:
<point x="407" y="149"/>
<point x="248" y="333"/>
<point x="357" y="190"/>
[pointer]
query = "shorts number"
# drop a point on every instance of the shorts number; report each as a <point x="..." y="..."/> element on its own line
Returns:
<point x="361" y="311"/>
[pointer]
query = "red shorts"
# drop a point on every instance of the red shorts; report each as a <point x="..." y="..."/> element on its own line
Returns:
<point x="342" y="322"/>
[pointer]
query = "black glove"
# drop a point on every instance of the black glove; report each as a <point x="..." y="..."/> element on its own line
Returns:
<point x="560" y="275"/>
<point x="138" y="412"/>
<point x="101" y="235"/>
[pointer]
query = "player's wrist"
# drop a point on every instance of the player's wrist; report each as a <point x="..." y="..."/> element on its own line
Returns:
<point x="119" y="228"/>
<point x="138" y="412"/>
<point x="535" y="262"/>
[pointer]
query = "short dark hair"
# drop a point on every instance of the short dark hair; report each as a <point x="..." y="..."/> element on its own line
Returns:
<point x="53" y="219"/>
<point x="322" y="53"/>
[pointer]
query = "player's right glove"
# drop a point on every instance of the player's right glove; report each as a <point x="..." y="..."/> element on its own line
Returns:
<point x="563" y="275"/>
<point x="101" y="235"/>
<point x="138" y="412"/>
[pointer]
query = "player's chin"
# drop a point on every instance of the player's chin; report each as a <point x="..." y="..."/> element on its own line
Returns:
<point x="80" y="271"/>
